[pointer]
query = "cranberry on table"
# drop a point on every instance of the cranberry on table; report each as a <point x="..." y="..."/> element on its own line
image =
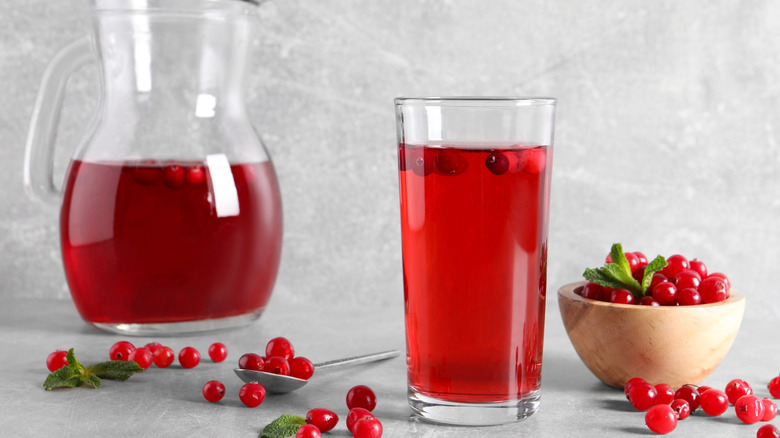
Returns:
<point x="121" y="350"/>
<point x="367" y="427"/>
<point x="665" y="394"/>
<point x="768" y="431"/>
<point x="770" y="410"/>
<point x="218" y="352"/>
<point x="682" y="408"/>
<point x="57" y="360"/>
<point x="714" y="402"/>
<point x="189" y="357"/>
<point x="308" y="431"/>
<point x="163" y="357"/>
<point x="661" y="419"/>
<point x="631" y="382"/>
<point x="252" y="394"/>
<point x="142" y="356"/>
<point x="690" y="394"/>
<point x="736" y="388"/>
<point x="153" y="346"/>
<point x="213" y="391"/>
<point x="301" y="368"/>
<point x="642" y="396"/>
<point x="774" y="387"/>
<point x="279" y="347"/>
<point x="324" y="419"/>
<point x="277" y="365"/>
<point x="356" y="414"/>
<point x="251" y="361"/>
<point x="703" y="388"/>
<point x="361" y="396"/>
<point x="749" y="409"/>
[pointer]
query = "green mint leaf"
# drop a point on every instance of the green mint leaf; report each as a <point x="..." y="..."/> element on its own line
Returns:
<point x="598" y="277"/>
<point x="74" y="363"/>
<point x="619" y="275"/>
<point x="64" y="377"/>
<point x="619" y="258"/>
<point x="285" y="425"/>
<point x="656" y="265"/>
<point x="114" y="369"/>
<point x="94" y="381"/>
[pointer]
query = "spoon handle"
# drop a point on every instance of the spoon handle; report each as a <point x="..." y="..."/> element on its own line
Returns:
<point x="357" y="359"/>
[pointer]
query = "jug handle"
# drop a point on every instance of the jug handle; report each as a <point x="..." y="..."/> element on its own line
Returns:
<point x="39" y="149"/>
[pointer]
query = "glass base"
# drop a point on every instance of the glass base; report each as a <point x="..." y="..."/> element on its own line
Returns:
<point x="472" y="414"/>
<point x="179" y="328"/>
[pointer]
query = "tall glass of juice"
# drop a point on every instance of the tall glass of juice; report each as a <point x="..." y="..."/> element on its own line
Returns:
<point x="474" y="177"/>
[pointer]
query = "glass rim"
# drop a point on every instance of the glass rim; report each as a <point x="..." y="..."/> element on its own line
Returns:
<point x="475" y="101"/>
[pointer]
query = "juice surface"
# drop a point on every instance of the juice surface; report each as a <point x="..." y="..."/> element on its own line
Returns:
<point x="145" y="243"/>
<point x="474" y="225"/>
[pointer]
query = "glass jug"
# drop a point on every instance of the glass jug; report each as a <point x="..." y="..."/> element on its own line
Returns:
<point x="171" y="217"/>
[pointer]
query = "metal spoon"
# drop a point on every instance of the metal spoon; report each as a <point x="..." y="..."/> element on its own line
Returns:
<point x="279" y="384"/>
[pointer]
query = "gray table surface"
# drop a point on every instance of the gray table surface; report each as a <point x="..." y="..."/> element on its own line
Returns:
<point x="168" y="402"/>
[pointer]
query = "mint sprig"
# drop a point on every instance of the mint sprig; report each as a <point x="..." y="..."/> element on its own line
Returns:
<point x="286" y="425"/>
<point x="75" y="374"/>
<point x="618" y="275"/>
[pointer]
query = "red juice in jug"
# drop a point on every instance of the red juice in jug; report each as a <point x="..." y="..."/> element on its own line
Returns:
<point x="474" y="227"/>
<point x="149" y="243"/>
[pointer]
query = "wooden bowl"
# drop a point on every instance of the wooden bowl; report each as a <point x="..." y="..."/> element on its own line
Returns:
<point x="675" y="345"/>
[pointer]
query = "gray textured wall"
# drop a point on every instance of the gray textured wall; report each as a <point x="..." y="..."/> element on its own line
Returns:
<point x="666" y="134"/>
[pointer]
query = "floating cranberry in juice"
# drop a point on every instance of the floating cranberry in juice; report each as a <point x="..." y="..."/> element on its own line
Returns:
<point x="150" y="243"/>
<point x="474" y="227"/>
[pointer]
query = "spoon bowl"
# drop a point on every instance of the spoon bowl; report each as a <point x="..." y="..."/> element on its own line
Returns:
<point x="280" y="384"/>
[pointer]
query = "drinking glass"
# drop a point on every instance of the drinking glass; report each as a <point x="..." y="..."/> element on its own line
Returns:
<point x="474" y="179"/>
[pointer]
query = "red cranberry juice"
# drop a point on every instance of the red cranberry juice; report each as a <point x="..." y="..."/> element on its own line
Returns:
<point x="474" y="226"/>
<point x="144" y="243"/>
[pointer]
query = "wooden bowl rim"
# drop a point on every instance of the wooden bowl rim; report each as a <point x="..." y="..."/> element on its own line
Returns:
<point x="567" y="292"/>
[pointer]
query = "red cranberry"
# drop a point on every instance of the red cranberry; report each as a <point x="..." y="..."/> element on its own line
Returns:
<point x="153" y="346"/>
<point x="213" y="391"/>
<point x="665" y="394"/>
<point x="301" y="368"/>
<point x="251" y="361"/>
<point x="699" y="267"/>
<point x="142" y="356"/>
<point x="533" y="160"/>
<point x="174" y="176"/>
<point x="768" y="431"/>
<point x="449" y="162"/>
<point x="713" y="290"/>
<point x="361" y="396"/>
<point x="189" y="357"/>
<point x="121" y="350"/>
<point x="593" y="291"/>
<point x="688" y="297"/>
<point x="252" y="394"/>
<point x="308" y="431"/>
<point x="774" y="387"/>
<point x="367" y="427"/>
<point x="621" y="296"/>
<point x="642" y="396"/>
<point x="687" y="279"/>
<point x="163" y="357"/>
<point x="682" y="408"/>
<point x="324" y="419"/>
<point x="497" y="163"/>
<point x="631" y="382"/>
<point x="277" y="365"/>
<point x="736" y="389"/>
<point x="279" y="347"/>
<point x="421" y="160"/>
<point x="648" y="301"/>
<point x="674" y="264"/>
<point x="195" y="175"/>
<point x="770" y="410"/>
<point x="690" y="394"/>
<point x="642" y="258"/>
<point x="661" y="419"/>
<point x="218" y="352"/>
<point x="356" y="414"/>
<point x="57" y="360"/>
<point x="749" y="409"/>
<point x="722" y="277"/>
<point x="657" y="278"/>
<point x="665" y="293"/>
<point x="714" y="402"/>
<point x="633" y="261"/>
